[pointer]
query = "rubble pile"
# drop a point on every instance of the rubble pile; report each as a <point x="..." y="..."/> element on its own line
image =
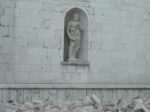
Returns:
<point x="89" y="104"/>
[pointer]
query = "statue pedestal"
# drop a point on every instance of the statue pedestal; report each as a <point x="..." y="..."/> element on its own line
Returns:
<point x="76" y="62"/>
<point x="73" y="60"/>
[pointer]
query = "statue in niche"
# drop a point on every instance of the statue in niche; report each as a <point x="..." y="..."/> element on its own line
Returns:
<point x="74" y="35"/>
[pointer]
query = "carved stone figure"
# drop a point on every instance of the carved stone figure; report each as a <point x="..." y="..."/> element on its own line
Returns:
<point x="74" y="34"/>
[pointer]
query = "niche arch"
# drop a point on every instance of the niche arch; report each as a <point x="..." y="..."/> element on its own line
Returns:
<point x="83" y="19"/>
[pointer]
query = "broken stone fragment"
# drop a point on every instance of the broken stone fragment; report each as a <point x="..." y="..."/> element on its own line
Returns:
<point x="28" y="111"/>
<point x="88" y="108"/>
<point x="100" y="107"/>
<point x="48" y="108"/>
<point x="38" y="102"/>
<point x="89" y="104"/>
<point x="14" y="108"/>
<point x="109" y="107"/>
<point x="87" y="101"/>
<point x="119" y="106"/>
<point x="53" y="110"/>
<point x="21" y="108"/>
<point x="2" y="107"/>
<point x="147" y="102"/>
<point x="46" y="103"/>
<point x="74" y="104"/>
<point x="8" y="107"/>
<point x="64" y="106"/>
<point x="139" y="105"/>
<point x="57" y="104"/>
<point x="10" y="110"/>
<point x="61" y="105"/>
<point x="95" y="99"/>
<point x="83" y="109"/>
<point x="38" y="106"/>
<point x="28" y="106"/>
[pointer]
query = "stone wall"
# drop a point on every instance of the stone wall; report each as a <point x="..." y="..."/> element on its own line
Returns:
<point x="31" y="42"/>
<point x="7" y="38"/>
<point x="105" y="95"/>
<point x="31" y="46"/>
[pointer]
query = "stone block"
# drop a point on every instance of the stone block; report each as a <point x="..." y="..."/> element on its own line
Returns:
<point x="28" y="105"/>
<point x="4" y="31"/>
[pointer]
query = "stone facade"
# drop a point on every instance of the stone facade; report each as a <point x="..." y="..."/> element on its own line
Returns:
<point x="32" y="41"/>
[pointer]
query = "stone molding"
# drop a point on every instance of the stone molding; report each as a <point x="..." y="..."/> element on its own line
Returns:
<point x="76" y="63"/>
<point x="73" y="86"/>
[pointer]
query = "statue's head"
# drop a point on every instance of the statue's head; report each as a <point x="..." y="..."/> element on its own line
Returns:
<point x="76" y="16"/>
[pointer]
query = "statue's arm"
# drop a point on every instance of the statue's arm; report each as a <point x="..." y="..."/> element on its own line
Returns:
<point x="68" y="32"/>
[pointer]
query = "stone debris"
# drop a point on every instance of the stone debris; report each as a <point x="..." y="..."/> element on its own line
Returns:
<point x="2" y="107"/>
<point x="95" y="99"/>
<point x="89" y="104"/>
<point x="28" y="106"/>
<point x="139" y="105"/>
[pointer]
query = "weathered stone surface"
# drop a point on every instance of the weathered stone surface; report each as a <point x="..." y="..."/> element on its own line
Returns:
<point x="2" y="107"/>
<point x="147" y="102"/>
<point x="38" y="106"/>
<point x="28" y="105"/>
<point x="139" y="105"/>
<point x="87" y="101"/>
<point x="95" y="99"/>
<point x="135" y="105"/>
<point x="118" y="41"/>
<point x="31" y="46"/>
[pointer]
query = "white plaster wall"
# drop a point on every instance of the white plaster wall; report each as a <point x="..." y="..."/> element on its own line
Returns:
<point x="31" y="42"/>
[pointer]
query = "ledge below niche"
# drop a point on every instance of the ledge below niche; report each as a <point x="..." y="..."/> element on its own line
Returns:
<point x="76" y="63"/>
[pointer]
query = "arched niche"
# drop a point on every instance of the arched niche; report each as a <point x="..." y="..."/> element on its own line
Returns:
<point x="83" y="20"/>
